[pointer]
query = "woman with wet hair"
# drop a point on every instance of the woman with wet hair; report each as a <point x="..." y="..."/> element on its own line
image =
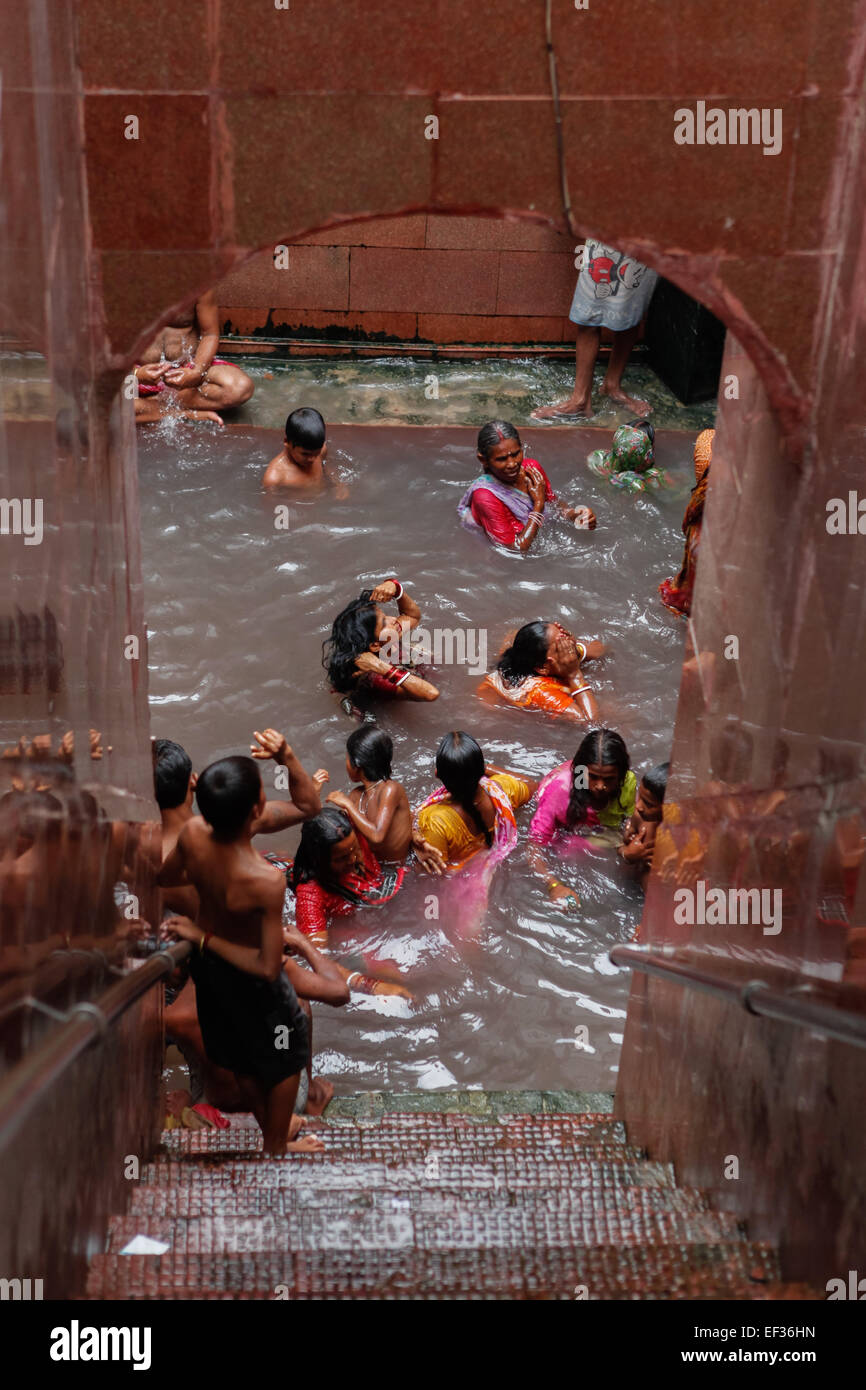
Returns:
<point x="512" y="499"/>
<point x="593" y="795"/>
<point x="368" y="650"/>
<point x="474" y="808"/>
<point x="542" y="669"/>
<point x="333" y="873"/>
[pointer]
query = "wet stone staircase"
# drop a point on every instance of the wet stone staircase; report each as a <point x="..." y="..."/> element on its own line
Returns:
<point x="478" y="1201"/>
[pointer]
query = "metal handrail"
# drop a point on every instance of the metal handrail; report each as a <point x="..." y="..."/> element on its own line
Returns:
<point x="85" y="1022"/>
<point x="756" y="996"/>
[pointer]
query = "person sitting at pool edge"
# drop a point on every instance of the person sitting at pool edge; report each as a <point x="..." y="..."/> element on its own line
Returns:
<point x="351" y="654"/>
<point x="182" y="360"/>
<point x="593" y="795"/>
<point x="512" y="498"/>
<point x="474" y="808"/>
<point x="640" y="830"/>
<point x="301" y="461"/>
<point x="543" y="669"/>
<point x="378" y="808"/>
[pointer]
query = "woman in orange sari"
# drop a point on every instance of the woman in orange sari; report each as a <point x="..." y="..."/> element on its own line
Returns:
<point x="676" y="593"/>
<point x="543" y="669"/>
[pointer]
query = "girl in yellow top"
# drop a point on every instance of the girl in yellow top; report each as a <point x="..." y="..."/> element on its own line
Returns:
<point x="474" y="808"/>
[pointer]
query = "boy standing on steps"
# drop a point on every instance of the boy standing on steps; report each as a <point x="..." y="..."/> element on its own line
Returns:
<point x="251" y="1021"/>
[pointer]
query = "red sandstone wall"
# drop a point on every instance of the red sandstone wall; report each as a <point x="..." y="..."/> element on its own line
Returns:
<point x="434" y="279"/>
<point x="261" y="126"/>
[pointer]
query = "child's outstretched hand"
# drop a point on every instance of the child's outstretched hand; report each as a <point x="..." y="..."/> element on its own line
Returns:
<point x="320" y="777"/>
<point x="270" y="744"/>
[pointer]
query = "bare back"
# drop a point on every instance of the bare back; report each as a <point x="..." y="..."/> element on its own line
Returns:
<point x="236" y="886"/>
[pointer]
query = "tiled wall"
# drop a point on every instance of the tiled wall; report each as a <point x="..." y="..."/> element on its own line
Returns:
<point x="422" y="277"/>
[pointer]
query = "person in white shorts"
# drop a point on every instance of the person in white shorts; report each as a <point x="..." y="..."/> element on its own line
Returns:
<point x="613" y="291"/>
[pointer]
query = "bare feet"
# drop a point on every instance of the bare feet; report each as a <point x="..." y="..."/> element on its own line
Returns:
<point x="320" y="1096"/>
<point x="632" y="403"/>
<point x="582" y="407"/>
<point x="308" y="1145"/>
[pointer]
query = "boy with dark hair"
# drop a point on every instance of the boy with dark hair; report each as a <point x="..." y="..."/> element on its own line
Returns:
<point x="640" y="830"/>
<point x="251" y="1021"/>
<point x="301" y="461"/>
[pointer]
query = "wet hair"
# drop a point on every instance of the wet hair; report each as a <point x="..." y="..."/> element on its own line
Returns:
<point x="646" y="426"/>
<point x="226" y="792"/>
<point x="527" y="652"/>
<point x="656" y="780"/>
<point x="312" y="863"/>
<point x="172" y="769"/>
<point x="352" y="632"/>
<point x="460" y="767"/>
<point x="306" y="428"/>
<point x="371" y="750"/>
<point x="493" y="433"/>
<point x="600" y="748"/>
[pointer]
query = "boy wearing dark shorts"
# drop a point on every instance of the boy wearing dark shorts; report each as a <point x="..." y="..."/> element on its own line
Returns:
<point x="251" y="1021"/>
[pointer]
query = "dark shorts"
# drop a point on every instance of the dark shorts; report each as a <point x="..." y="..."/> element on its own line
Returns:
<point x="249" y="1026"/>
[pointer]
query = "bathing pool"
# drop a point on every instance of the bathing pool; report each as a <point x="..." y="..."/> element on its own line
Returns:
<point x="237" y="611"/>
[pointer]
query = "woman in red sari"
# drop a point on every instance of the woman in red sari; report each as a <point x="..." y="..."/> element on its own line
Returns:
<point x="676" y="593"/>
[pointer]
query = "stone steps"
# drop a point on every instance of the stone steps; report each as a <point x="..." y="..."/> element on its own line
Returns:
<point x="692" y="1271"/>
<point x="431" y="1205"/>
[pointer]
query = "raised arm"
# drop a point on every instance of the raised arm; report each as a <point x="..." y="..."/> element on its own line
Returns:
<point x="304" y="802"/>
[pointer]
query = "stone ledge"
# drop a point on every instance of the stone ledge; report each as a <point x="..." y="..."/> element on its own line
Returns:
<point x="483" y="1105"/>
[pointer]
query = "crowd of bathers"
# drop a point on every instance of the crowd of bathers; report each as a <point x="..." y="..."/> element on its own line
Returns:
<point x="261" y="925"/>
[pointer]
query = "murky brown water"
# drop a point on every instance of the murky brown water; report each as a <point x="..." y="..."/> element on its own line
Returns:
<point x="237" y="611"/>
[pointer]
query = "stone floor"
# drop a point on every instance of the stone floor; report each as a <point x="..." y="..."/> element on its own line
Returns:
<point x="457" y="1195"/>
<point x="396" y="390"/>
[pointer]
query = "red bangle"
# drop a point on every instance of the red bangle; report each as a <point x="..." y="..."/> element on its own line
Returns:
<point x="399" y="593"/>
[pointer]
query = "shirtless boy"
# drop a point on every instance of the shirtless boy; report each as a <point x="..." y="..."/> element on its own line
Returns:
<point x="379" y="808"/>
<point x="301" y="461"/>
<point x="251" y="1021"/>
<point x="174" y="784"/>
<point x="180" y="369"/>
